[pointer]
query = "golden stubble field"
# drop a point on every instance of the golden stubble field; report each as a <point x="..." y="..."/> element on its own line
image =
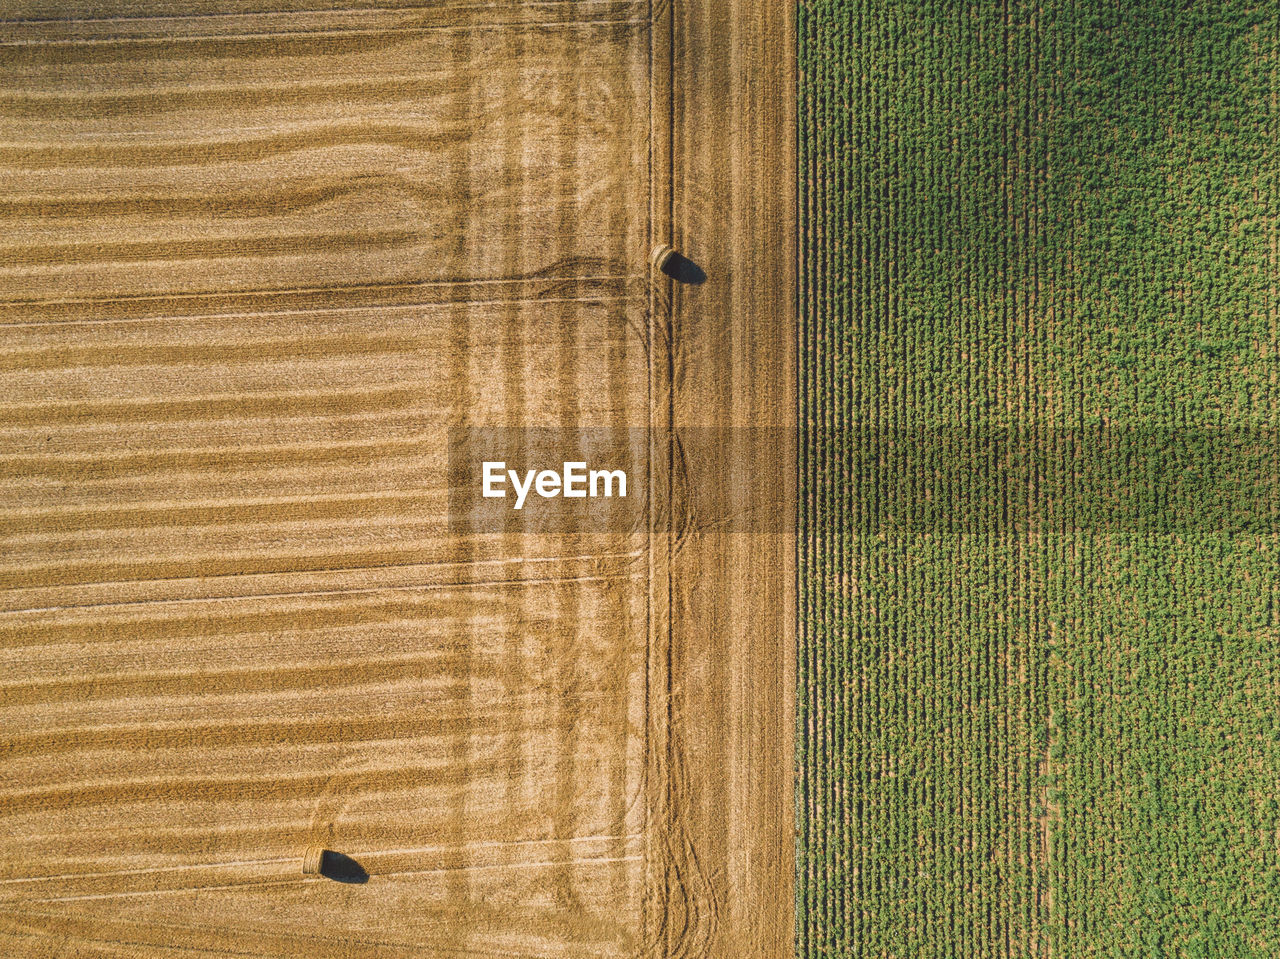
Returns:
<point x="254" y="265"/>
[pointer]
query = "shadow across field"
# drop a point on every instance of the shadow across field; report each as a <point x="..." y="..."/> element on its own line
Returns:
<point x="341" y="868"/>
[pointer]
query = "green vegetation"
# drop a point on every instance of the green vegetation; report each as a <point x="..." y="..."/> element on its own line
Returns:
<point x="1040" y="711"/>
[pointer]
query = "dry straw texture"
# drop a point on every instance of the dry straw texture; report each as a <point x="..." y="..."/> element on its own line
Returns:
<point x="257" y="260"/>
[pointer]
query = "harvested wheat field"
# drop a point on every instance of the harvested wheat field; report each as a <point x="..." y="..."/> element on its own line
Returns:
<point x="1040" y="378"/>
<point x="259" y="697"/>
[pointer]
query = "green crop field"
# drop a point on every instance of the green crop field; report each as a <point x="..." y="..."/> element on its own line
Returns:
<point x="1040" y="569"/>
